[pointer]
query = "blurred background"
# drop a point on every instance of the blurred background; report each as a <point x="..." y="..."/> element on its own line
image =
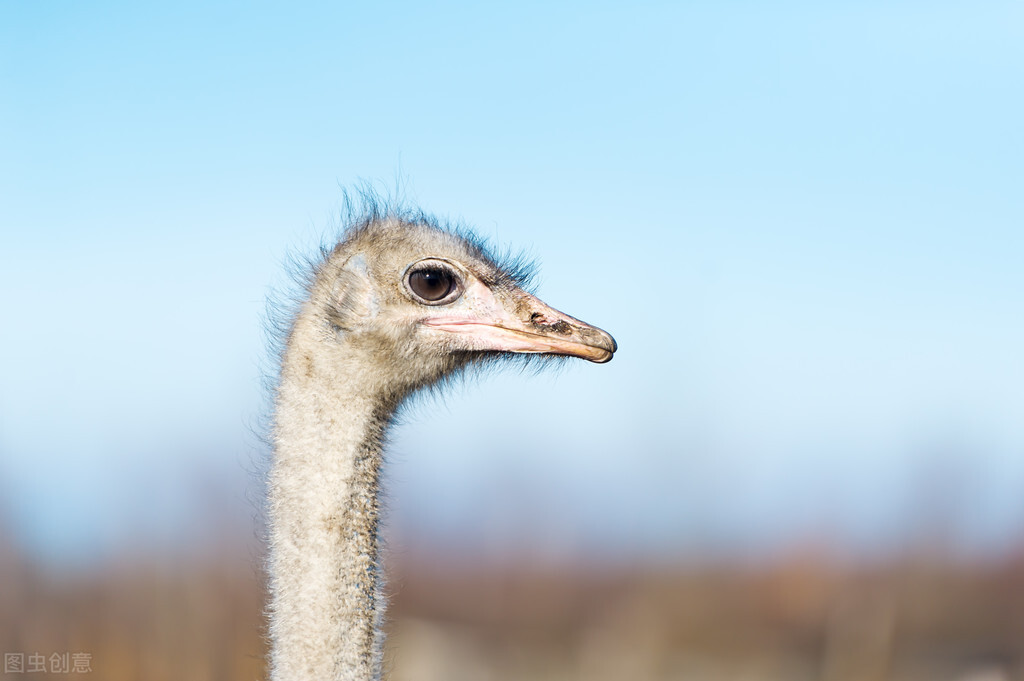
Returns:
<point x="803" y="223"/>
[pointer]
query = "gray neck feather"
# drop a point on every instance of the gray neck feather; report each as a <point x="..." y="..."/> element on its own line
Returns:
<point x="325" y="580"/>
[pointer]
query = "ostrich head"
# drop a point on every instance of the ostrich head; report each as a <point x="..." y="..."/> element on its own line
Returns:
<point x="414" y="302"/>
<point x="396" y="306"/>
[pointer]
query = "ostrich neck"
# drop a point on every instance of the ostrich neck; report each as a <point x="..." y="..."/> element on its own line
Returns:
<point x="326" y="604"/>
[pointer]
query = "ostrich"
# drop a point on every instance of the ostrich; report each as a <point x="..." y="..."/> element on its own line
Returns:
<point x="396" y="306"/>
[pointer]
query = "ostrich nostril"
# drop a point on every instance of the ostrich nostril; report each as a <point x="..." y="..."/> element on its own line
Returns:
<point x="557" y="325"/>
<point x="561" y="326"/>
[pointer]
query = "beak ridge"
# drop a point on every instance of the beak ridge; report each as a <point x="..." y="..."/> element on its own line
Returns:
<point x="523" y="323"/>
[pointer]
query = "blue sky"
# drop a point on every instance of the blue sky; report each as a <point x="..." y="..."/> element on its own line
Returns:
<point x="804" y="225"/>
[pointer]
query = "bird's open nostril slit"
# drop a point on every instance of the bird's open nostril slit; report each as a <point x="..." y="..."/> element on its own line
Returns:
<point x="556" y="325"/>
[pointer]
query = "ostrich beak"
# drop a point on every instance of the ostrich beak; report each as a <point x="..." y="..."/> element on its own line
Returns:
<point x="515" y="321"/>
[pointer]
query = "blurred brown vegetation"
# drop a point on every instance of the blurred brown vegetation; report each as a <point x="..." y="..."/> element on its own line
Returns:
<point x="804" y="616"/>
<point x="142" y="620"/>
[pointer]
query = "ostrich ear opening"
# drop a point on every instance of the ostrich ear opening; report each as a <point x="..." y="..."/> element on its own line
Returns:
<point x="353" y="301"/>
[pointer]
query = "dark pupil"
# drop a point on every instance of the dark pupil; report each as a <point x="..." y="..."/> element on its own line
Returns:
<point x="431" y="284"/>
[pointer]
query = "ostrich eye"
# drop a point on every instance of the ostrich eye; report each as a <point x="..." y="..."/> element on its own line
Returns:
<point x="432" y="283"/>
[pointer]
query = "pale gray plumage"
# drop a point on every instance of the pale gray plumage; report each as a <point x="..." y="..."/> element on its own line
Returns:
<point x="369" y="334"/>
